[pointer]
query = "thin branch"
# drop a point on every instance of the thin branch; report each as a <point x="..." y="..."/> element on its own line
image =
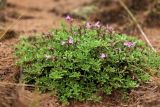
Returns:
<point x="18" y="84"/>
<point x="9" y="27"/>
<point x="137" y="24"/>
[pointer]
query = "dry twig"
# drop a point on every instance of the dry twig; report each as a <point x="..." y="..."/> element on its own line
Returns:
<point x="9" y="27"/>
<point x="137" y="24"/>
<point x="18" y="84"/>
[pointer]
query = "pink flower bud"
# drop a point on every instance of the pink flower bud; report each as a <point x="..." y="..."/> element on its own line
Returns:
<point x="69" y="19"/>
<point x="88" y="25"/>
<point x="103" y="55"/>
<point x="70" y="40"/>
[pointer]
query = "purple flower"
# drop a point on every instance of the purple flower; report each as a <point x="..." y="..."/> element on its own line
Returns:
<point x="70" y="40"/>
<point x="103" y="55"/>
<point x="88" y="25"/>
<point x="68" y="18"/>
<point x="129" y="44"/>
<point x="97" y="24"/>
<point x="63" y="42"/>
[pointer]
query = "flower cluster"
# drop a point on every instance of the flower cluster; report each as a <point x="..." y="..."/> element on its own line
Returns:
<point x="129" y="44"/>
<point x="96" y="25"/>
<point x="69" y="41"/>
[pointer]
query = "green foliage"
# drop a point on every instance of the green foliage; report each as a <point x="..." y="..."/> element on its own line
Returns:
<point x="79" y="62"/>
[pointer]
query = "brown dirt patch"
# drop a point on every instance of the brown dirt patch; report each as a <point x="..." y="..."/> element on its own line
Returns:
<point x="9" y="97"/>
<point x="153" y="16"/>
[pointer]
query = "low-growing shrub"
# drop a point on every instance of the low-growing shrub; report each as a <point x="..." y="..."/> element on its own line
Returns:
<point x="80" y="61"/>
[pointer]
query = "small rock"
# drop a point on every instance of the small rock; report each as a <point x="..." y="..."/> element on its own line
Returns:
<point x="83" y="12"/>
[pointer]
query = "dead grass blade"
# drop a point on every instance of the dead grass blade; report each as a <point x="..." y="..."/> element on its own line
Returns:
<point x="9" y="27"/>
<point x="137" y="24"/>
